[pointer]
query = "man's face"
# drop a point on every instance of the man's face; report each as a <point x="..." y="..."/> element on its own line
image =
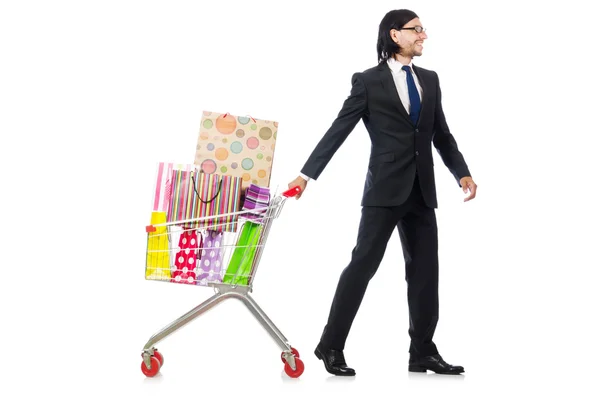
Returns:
<point x="409" y="40"/>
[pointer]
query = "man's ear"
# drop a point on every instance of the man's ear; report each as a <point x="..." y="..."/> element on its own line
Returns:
<point x="394" y="35"/>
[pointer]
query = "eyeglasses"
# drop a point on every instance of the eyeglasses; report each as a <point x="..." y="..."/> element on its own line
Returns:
<point x="418" y="29"/>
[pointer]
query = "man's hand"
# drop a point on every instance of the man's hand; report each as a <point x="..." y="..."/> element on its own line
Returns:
<point x="300" y="182"/>
<point x="468" y="185"/>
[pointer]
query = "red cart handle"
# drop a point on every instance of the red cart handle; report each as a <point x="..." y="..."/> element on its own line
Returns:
<point x="291" y="192"/>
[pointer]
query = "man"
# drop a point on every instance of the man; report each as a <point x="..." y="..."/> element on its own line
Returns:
<point x="400" y="105"/>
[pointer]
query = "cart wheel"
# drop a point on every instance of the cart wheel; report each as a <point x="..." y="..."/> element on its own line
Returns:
<point x="299" y="369"/>
<point x="294" y="352"/>
<point x="154" y="367"/>
<point x="160" y="357"/>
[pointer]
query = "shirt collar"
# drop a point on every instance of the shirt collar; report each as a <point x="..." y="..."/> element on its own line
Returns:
<point x="396" y="66"/>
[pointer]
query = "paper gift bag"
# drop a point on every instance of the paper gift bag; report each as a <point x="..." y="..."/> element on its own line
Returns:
<point x="217" y="195"/>
<point x="157" y="257"/>
<point x="238" y="146"/>
<point x="256" y="198"/>
<point x="240" y="265"/>
<point x="173" y="194"/>
<point x="183" y="200"/>
<point x="162" y="187"/>
<point x="183" y="192"/>
<point x="186" y="258"/>
<point x="211" y="261"/>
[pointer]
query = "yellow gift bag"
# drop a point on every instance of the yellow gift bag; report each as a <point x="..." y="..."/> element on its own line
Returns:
<point x="157" y="258"/>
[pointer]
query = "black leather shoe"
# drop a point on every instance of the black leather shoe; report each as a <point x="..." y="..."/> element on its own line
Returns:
<point x="334" y="361"/>
<point x="433" y="363"/>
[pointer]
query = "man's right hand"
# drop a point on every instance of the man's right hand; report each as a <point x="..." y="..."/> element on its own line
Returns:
<point x="301" y="183"/>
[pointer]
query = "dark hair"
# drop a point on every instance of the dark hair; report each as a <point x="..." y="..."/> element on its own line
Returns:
<point x="395" y="19"/>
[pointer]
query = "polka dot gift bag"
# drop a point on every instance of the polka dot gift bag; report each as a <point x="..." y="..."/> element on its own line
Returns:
<point x="211" y="258"/>
<point x="240" y="146"/>
<point x="187" y="257"/>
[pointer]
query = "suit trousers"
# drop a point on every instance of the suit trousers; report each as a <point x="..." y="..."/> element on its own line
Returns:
<point x="417" y="226"/>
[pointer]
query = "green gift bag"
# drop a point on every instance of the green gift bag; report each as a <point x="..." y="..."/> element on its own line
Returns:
<point x="241" y="261"/>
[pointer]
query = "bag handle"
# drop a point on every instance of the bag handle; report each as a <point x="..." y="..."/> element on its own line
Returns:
<point x="212" y="199"/>
<point x="227" y="114"/>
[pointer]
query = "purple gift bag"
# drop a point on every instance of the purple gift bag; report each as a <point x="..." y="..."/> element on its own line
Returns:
<point x="256" y="198"/>
<point x="211" y="258"/>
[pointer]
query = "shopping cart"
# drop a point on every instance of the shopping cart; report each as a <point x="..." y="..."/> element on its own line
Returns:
<point x="223" y="252"/>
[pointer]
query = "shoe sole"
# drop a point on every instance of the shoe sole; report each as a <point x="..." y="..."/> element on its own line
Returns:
<point x="416" y="368"/>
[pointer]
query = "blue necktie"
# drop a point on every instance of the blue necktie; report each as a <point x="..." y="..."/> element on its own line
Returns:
<point x="413" y="95"/>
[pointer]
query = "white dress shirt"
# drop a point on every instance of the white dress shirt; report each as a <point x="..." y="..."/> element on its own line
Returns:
<point x="401" y="86"/>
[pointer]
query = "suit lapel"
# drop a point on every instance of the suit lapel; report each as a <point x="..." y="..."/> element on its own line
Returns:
<point x="425" y="96"/>
<point x="387" y="80"/>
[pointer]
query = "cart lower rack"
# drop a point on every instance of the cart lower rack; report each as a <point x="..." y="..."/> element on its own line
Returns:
<point x="220" y="254"/>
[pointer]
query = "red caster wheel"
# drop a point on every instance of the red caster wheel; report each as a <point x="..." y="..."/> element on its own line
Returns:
<point x="299" y="369"/>
<point x="294" y="352"/>
<point x="161" y="360"/>
<point x="154" y="367"/>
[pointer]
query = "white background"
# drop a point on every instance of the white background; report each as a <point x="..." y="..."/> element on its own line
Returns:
<point x="93" y="94"/>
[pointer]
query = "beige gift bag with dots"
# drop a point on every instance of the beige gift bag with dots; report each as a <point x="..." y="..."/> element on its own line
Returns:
<point x="240" y="146"/>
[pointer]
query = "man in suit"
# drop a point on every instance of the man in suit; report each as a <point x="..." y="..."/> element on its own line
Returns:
<point x="400" y="105"/>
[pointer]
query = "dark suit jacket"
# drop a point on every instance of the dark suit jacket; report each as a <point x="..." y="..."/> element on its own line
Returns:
<point x="399" y="149"/>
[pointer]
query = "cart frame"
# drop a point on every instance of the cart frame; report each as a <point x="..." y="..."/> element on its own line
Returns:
<point x="152" y="361"/>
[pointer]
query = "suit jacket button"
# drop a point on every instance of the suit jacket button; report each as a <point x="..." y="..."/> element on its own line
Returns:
<point x="417" y="153"/>
<point x="417" y="130"/>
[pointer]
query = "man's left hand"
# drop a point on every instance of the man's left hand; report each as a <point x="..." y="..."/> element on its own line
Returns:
<point x="468" y="186"/>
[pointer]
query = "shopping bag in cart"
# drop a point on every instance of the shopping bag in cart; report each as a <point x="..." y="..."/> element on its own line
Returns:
<point x="173" y="192"/>
<point x="238" y="146"/>
<point x="216" y="195"/>
<point x="242" y="259"/>
<point x="257" y="200"/>
<point x="186" y="258"/>
<point x="211" y="260"/>
<point x="182" y="198"/>
<point x="184" y="192"/>
<point x="157" y="257"/>
<point x="162" y="186"/>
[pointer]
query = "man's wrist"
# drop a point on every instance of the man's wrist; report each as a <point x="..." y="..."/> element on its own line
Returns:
<point x="306" y="178"/>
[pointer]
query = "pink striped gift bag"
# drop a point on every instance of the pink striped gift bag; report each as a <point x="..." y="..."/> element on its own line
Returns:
<point x="173" y="193"/>
<point x="162" y="186"/>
